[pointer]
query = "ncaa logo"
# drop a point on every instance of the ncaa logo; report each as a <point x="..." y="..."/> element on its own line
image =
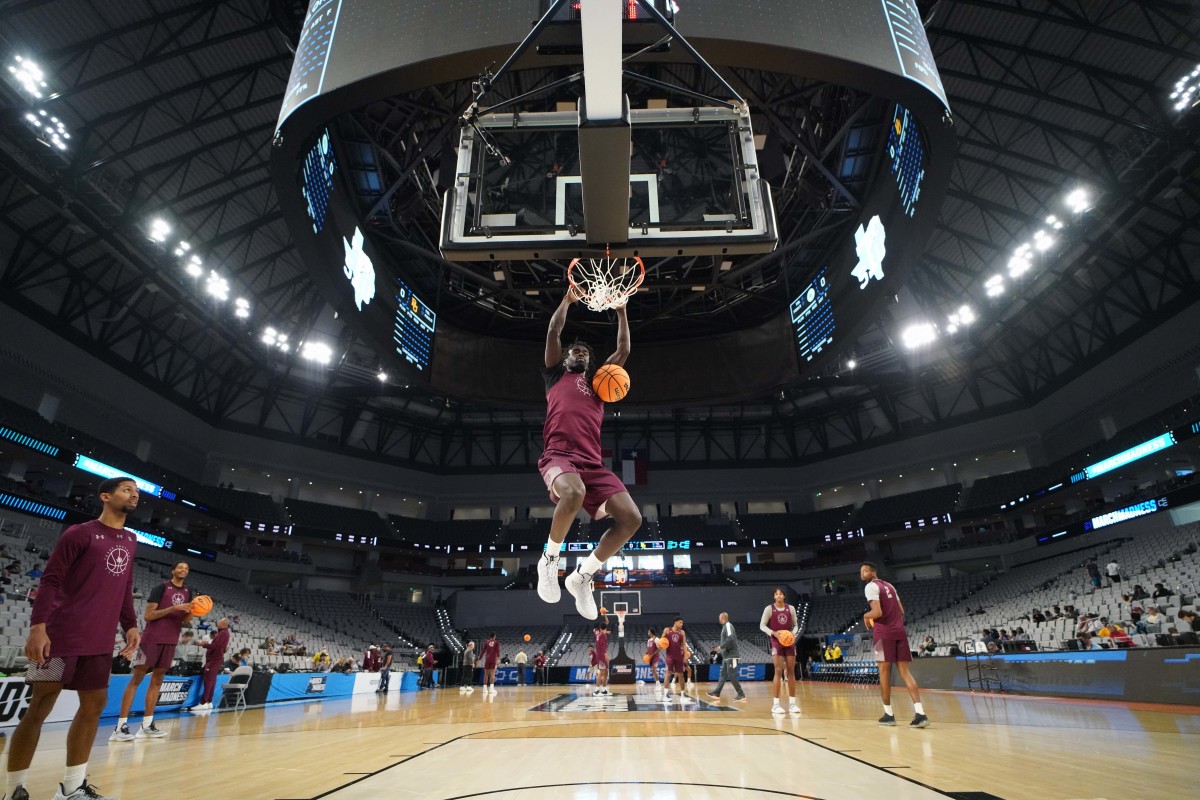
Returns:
<point x="316" y="685"/>
<point x="174" y="692"/>
<point x="14" y="701"/>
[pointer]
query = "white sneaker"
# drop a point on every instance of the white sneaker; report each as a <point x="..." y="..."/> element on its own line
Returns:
<point x="582" y="588"/>
<point x="121" y="734"/>
<point x="150" y="731"/>
<point x="793" y="709"/>
<point x="470" y="690"/>
<point x="690" y="685"/>
<point x="777" y="709"/>
<point x="462" y="690"/>
<point x="492" y="690"/>
<point x="666" y="698"/>
<point x="548" y="588"/>
<point x="84" y="792"/>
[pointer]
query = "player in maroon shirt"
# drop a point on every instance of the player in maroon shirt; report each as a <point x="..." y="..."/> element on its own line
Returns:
<point x="600" y="639"/>
<point x="571" y="464"/>
<point x="214" y="659"/>
<point x="490" y="653"/>
<point x="886" y="619"/>
<point x="677" y="643"/>
<point x="168" y="606"/>
<point x="654" y="655"/>
<point x="776" y="618"/>
<point x="86" y="591"/>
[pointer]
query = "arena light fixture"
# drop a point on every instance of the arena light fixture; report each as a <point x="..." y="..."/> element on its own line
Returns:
<point x="241" y="308"/>
<point x="382" y="376"/>
<point x="1043" y="241"/>
<point x="1079" y="201"/>
<point x="194" y="269"/>
<point x="160" y="229"/>
<point x="1021" y="261"/>
<point x="217" y="287"/>
<point x="1186" y="93"/>
<point x="994" y="286"/>
<point x="319" y="352"/>
<point x="851" y="364"/>
<point x="1054" y="222"/>
<point x="182" y="248"/>
<point x="918" y="335"/>
<point x="961" y="319"/>
<point x="29" y="76"/>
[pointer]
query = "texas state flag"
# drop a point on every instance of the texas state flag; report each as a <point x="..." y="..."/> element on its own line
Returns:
<point x="634" y="467"/>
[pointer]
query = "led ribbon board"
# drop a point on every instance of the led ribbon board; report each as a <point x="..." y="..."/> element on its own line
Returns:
<point x="1128" y="513"/>
<point x="1147" y="448"/>
<point x="105" y="471"/>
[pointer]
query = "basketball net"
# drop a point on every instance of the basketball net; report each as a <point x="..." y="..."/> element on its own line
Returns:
<point x="607" y="282"/>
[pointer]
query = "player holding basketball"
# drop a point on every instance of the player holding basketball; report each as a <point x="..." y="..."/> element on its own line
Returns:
<point x="600" y="637"/>
<point x="676" y="644"/>
<point x="571" y="464"/>
<point x="491" y="657"/>
<point x="167" y="608"/>
<point x="653" y="655"/>
<point x="86" y="589"/>
<point x="777" y="618"/>
<point x="886" y="619"/>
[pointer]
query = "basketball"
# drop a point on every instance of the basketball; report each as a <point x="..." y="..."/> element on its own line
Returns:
<point x="528" y="638"/>
<point x="645" y="659"/>
<point x="611" y="383"/>
<point x="664" y="643"/>
<point x="603" y="610"/>
<point x="786" y="638"/>
<point x="201" y="605"/>
<point x="870" y="624"/>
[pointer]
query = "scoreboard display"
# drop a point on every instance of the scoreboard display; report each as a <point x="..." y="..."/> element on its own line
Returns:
<point x="414" y="328"/>
<point x="812" y="318"/>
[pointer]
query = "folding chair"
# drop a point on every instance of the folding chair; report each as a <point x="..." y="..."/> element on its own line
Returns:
<point x="237" y="684"/>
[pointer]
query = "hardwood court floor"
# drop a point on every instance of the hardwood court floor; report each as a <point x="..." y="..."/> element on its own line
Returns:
<point x="549" y="742"/>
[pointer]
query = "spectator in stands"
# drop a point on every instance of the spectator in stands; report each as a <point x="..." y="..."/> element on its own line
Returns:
<point x="1071" y="612"/>
<point x="928" y="646"/>
<point x="1187" y="622"/>
<point x="371" y="659"/>
<point x="1093" y="571"/>
<point x="340" y="665"/>
<point x="1037" y="616"/>
<point x="268" y="644"/>
<point x="1088" y="643"/>
<point x="1058" y="613"/>
<point x="1114" y="571"/>
<point x="833" y="654"/>
<point x="35" y="572"/>
<point x="1019" y="635"/>
<point x="13" y="568"/>
<point x="1138" y="593"/>
<point x="352" y="666"/>
<point x="1153" y="617"/>
<point x="239" y="659"/>
<point x="1159" y="591"/>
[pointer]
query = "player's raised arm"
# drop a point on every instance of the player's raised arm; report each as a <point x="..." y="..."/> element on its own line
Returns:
<point x="558" y="321"/>
<point x="622" y="352"/>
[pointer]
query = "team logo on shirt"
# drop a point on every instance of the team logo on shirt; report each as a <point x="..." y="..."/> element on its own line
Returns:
<point x="177" y="598"/>
<point x="581" y="384"/>
<point x="117" y="560"/>
<point x="781" y="618"/>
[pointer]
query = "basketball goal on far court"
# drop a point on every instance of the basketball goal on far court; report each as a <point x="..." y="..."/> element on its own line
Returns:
<point x="621" y="604"/>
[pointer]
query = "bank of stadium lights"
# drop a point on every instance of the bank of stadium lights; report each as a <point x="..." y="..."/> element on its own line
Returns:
<point x="919" y="335"/>
<point x="318" y="352"/>
<point x="273" y="338"/>
<point x="241" y="308"/>
<point x="1187" y="91"/>
<point x="194" y="266"/>
<point x="216" y="287"/>
<point x="160" y="230"/>
<point x="994" y="286"/>
<point x="963" y="318"/>
<point x="382" y="376"/>
<point x="29" y="76"/>
<point x="1079" y="201"/>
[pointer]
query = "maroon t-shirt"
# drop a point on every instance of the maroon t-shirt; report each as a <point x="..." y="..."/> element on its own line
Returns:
<point x="601" y="637"/>
<point x="216" y="648"/>
<point x="573" y="415"/>
<point x="165" y="630"/>
<point x="491" y="652"/>
<point x="675" y="648"/>
<point x="87" y="589"/>
<point x="891" y="624"/>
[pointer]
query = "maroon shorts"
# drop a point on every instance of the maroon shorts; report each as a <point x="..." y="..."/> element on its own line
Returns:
<point x="779" y="650"/>
<point x="490" y="664"/>
<point x="892" y="650"/>
<point x="675" y="665"/>
<point x="77" y="673"/>
<point x="600" y="483"/>
<point x="601" y="663"/>
<point x="155" y="656"/>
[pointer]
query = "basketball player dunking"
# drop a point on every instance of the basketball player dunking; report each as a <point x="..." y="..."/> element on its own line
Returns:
<point x="86" y="589"/>
<point x="571" y="464"/>
<point x="167" y="608"/>
<point x="653" y="654"/>
<point x="886" y="619"/>
<point x="676" y="644"/>
<point x="776" y="618"/>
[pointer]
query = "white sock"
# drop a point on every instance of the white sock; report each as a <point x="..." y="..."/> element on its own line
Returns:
<point x="776" y="701"/>
<point x="920" y="709"/>
<point x="16" y="779"/>
<point x="147" y="721"/>
<point x="74" y="777"/>
<point x="591" y="565"/>
<point x="553" y="548"/>
<point x="121" y="721"/>
<point x="888" y="710"/>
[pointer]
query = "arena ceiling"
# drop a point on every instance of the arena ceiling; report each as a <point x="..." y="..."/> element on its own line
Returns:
<point x="170" y="107"/>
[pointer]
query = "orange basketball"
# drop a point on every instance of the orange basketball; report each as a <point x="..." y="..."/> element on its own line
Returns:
<point x="528" y="638"/>
<point x="611" y="383"/>
<point x="870" y="624"/>
<point x="645" y="659"/>
<point x="664" y="643"/>
<point x="786" y="639"/>
<point x="201" y="605"/>
<point x="603" y="610"/>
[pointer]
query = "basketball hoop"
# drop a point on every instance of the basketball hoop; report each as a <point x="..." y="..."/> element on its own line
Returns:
<point x="620" y="623"/>
<point x="607" y="282"/>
